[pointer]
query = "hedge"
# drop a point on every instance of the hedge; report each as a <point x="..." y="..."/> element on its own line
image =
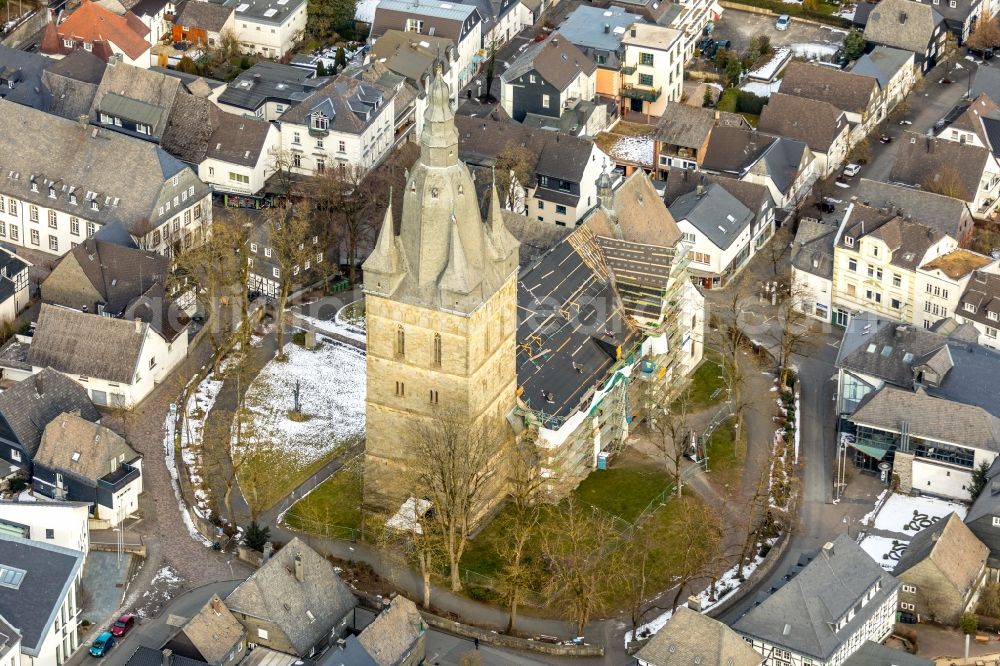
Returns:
<point x="778" y="7"/>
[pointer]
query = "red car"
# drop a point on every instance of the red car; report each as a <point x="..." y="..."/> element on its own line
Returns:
<point x="123" y="625"/>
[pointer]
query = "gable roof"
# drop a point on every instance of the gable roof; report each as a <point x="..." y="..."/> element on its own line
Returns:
<point x="983" y="294"/>
<point x="80" y="65"/>
<point x="349" y="104"/>
<point x="93" y="23"/>
<point x="21" y="74"/>
<point x="273" y="593"/>
<point x="136" y="94"/>
<point x="812" y="249"/>
<point x="555" y="59"/>
<point x="31" y="404"/>
<point x="238" y="140"/>
<point x="976" y="119"/>
<point x="920" y="161"/>
<point x="953" y="550"/>
<point x="816" y="123"/>
<point x="681" y="181"/>
<point x="50" y="573"/>
<point x="637" y="215"/>
<point x="86" y="450"/>
<point x="908" y="241"/>
<point x="903" y="24"/>
<point x="781" y="162"/>
<point x="689" y="126"/>
<point x="986" y="80"/>
<point x="213" y="631"/>
<point x="692" y="638"/>
<point x="934" y="210"/>
<point x="715" y="213"/>
<point x="847" y="91"/>
<point x="208" y="16"/>
<point x="798" y="616"/>
<point x="882" y="63"/>
<point x="876" y="654"/>
<point x="392" y="634"/>
<point x="147" y="656"/>
<point x="735" y="149"/>
<point x="86" y="344"/>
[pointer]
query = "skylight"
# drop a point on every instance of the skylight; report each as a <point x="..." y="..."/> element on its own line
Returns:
<point x="887" y="350"/>
<point x="269" y="12"/>
<point x="243" y="7"/>
<point x="11" y="577"/>
<point x="75" y="456"/>
<point x="871" y="348"/>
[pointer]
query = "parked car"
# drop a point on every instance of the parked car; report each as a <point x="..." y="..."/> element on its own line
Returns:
<point x="103" y="644"/>
<point x="723" y="44"/>
<point x="123" y="625"/>
<point x="704" y="44"/>
<point x="825" y="206"/>
<point x="985" y="54"/>
<point x="783" y="21"/>
<point x="885" y="138"/>
<point x="852" y="170"/>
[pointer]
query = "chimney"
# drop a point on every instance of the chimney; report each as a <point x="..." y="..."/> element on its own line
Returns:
<point x="900" y="330"/>
<point x="607" y="28"/>
<point x="718" y="115"/>
<point x="700" y="190"/>
<point x="902" y="17"/>
<point x="138" y="326"/>
<point x="83" y="119"/>
<point x="930" y="144"/>
<point x="633" y="31"/>
<point x="828" y="549"/>
<point x="256" y="78"/>
<point x="299" y="574"/>
<point x="168" y="656"/>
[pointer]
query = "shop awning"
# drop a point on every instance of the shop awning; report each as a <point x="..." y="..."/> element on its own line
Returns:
<point x="872" y="451"/>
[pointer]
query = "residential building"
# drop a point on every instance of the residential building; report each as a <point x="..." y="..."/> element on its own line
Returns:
<point x="119" y="361"/>
<point x="812" y="268"/>
<point x="54" y="197"/>
<point x="892" y="68"/>
<point x="344" y="124"/>
<point x="266" y="28"/>
<point x="962" y="170"/>
<point x="21" y="78"/>
<point x="503" y="19"/>
<point x="147" y="656"/>
<point x="942" y="282"/>
<point x="41" y="599"/>
<point x="14" y="297"/>
<point x="859" y="96"/>
<point x="85" y="462"/>
<point x="876" y="654"/>
<point x="598" y="34"/>
<point x="941" y="571"/>
<point x="933" y="444"/>
<point x="267" y="90"/>
<point x="975" y="125"/>
<point x="826" y="611"/>
<point x="689" y="17"/>
<point x="30" y="405"/>
<point x="984" y="80"/>
<point x="241" y="153"/>
<point x="295" y="583"/>
<point x="153" y="14"/>
<point x="397" y="636"/>
<point x="818" y="124"/>
<point x="876" y="259"/>
<point x="721" y="232"/>
<point x="462" y="24"/>
<point x="692" y="638"/>
<point x="213" y="636"/>
<point x="201" y="23"/>
<point x="915" y="27"/>
<point x="563" y="187"/>
<point x="683" y="133"/>
<point x="950" y="216"/>
<point x="960" y="16"/>
<point x="64" y="524"/>
<point x="979" y="305"/>
<point x="10" y="644"/>
<point x="264" y="274"/>
<point x="548" y="77"/>
<point x="94" y="28"/>
<point x="72" y="84"/>
<point x="653" y="68"/>
<point x="984" y="518"/>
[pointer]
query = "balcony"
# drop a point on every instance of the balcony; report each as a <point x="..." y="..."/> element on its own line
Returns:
<point x="644" y="94"/>
<point x="628" y="70"/>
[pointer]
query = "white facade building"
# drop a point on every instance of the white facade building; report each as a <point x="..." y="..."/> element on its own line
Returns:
<point x="64" y="524"/>
<point x="270" y="29"/>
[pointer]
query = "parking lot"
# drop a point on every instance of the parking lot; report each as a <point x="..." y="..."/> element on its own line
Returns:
<point x="805" y="39"/>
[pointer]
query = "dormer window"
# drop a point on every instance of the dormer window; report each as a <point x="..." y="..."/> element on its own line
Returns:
<point x="969" y="307"/>
<point x="52" y="192"/>
<point x="320" y="122"/>
<point x="849" y="241"/>
<point x="68" y="43"/>
<point x="94" y="205"/>
<point x="87" y="46"/>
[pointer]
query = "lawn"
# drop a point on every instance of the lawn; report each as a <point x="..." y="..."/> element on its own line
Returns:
<point x="284" y="448"/>
<point x="624" y="491"/>
<point x="333" y="509"/>
<point x="726" y="455"/>
<point x="706" y="380"/>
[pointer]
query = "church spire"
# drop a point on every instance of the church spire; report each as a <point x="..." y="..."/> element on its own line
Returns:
<point x="385" y="264"/>
<point x="503" y="242"/>
<point x="439" y="140"/>
<point x="458" y="279"/>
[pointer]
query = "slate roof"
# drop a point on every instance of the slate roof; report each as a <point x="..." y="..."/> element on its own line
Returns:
<point x="952" y="549"/>
<point x="876" y="654"/>
<point x="351" y="654"/>
<point x="908" y="241"/>
<point x="70" y="97"/>
<point x="136" y="94"/>
<point x="452" y="20"/>
<point x="85" y="344"/>
<point x="92" y="23"/>
<point x="634" y="217"/>
<point x="920" y="161"/>
<point x="983" y="293"/>
<point x="798" y="615"/>
<point x="78" y="447"/>
<point x="189" y="127"/>
<point x="689" y="126"/>
<point x="902" y="24"/>
<point x="208" y="16"/>
<point x="270" y="81"/>
<point x="412" y="55"/>
<point x="929" y="418"/>
<point x="31" y="404"/>
<point x="988" y="502"/>
<point x="974" y="119"/>
<point x="24" y="69"/>
<point x="715" y="213"/>
<point x="681" y="181"/>
<point x="986" y="80"/>
<point x="692" y="638"/>
<point x="555" y="59"/>
<point x="238" y="140"/>
<point x="10" y="638"/>
<point x="345" y="101"/>
<point x="812" y="249"/>
<point x="80" y="65"/>
<point x="213" y="631"/>
<point x="934" y="210"/>
<point x="70" y="155"/>
<point x="50" y="573"/>
<point x="585" y="28"/>
<point x="10" y="266"/>
<point x="815" y="123"/>
<point x="781" y="162"/>
<point x="735" y="149"/>
<point x="971" y="380"/>
<point x="882" y="63"/>
<point x="147" y="656"/>
<point x="847" y="91"/>
<point x="273" y="593"/>
<point x="392" y="634"/>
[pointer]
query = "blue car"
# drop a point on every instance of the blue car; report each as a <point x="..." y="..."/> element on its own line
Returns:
<point x="102" y="645"/>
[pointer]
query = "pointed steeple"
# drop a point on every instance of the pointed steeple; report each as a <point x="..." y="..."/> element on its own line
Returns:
<point x="385" y="266"/>
<point x="439" y="140"/>
<point x="502" y="241"/>
<point x="458" y="279"/>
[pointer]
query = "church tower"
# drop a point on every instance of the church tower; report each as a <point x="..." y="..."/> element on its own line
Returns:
<point x="440" y="309"/>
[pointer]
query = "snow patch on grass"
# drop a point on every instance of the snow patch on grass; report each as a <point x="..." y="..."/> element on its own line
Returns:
<point x="886" y="552"/>
<point x="908" y="515"/>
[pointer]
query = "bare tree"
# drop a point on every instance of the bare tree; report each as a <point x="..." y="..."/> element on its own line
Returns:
<point x="290" y="237"/>
<point x="793" y="334"/>
<point x="775" y="251"/>
<point x="514" y="168"/>
<point x="754" y="509"/>
<point x="986" y="34"/>
<point x="732" y="342"/>
<point x="459" y="468"/>
<point x="946" y="180"/>
<point x="671" y="435"/>
<point x="575" y="555"/>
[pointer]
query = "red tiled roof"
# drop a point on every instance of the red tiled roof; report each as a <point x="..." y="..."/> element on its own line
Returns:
<point x="97" y="25"/>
